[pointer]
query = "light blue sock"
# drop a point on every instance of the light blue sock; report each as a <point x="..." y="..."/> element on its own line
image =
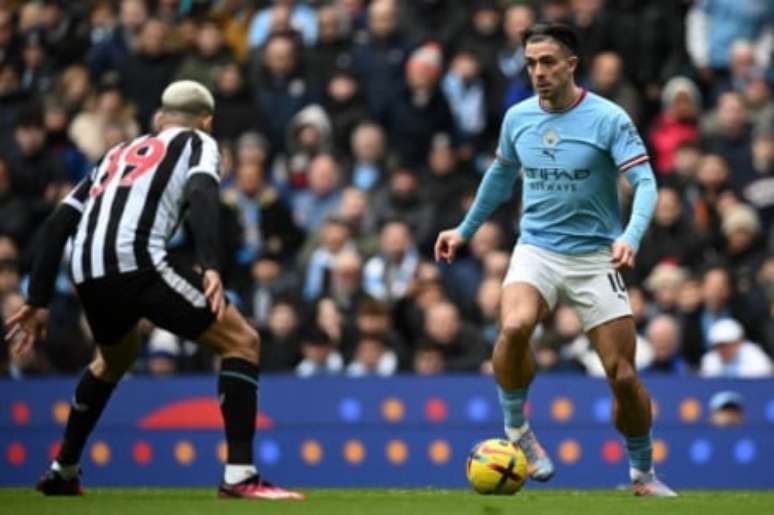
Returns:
<point x="512" y="403"/>
<point x="640" y="450"/>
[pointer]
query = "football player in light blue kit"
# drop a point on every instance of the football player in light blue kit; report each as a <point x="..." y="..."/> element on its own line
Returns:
<point x="569" y="147"/>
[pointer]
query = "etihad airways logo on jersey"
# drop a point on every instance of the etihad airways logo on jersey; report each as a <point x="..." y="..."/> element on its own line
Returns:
<point x="557" y="174"/>
<point x="555" y="179"/>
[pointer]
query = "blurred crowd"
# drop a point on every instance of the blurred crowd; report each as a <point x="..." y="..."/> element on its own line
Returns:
<point x="352" y="131"/>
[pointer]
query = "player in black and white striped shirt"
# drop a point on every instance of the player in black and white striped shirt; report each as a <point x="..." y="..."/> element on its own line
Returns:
<point x="119" y="219"/>
<point x="133" y="200"/>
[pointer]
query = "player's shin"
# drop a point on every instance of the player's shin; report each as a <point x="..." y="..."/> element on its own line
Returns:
<point x="238" y="393"/>
<point x="514" y="371"/>
<point x="632" y="412"/>
<point x="90" y="398"/>
<point x="639" y="445"/>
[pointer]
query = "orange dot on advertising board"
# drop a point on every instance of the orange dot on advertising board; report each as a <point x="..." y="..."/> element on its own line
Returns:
<point x="221" y="451"/>
<point x="60" y="411"/>
<point x="562" y="409"/>
<point x="690" y="410"/>
<point x="100" y="453"/>
<point x="569" y="451"/>
<point x="185" y="454"/>
<point x="312" y="452"/>
<point x="354" y="452"/>
<point x="142" y="453"/>
<point x="440" y="452"/>
<point x="396" y="452"/>
<point x="655" y="409"/>
<point x="660" y="451"/>
<point x="393" y="410"/>
<point x="17" y="454"/>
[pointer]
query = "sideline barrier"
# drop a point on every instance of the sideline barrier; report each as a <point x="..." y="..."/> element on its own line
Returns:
<point x="396" y="432"/>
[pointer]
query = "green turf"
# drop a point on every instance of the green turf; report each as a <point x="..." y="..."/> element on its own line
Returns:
<point x="179" y="501"/>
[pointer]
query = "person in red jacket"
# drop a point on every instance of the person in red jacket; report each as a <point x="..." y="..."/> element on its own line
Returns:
<point x="676" y="124"/>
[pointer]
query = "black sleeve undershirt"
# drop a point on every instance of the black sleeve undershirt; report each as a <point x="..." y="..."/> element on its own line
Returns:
<point x="56" y="230"/>
<point x="203" y="198"/>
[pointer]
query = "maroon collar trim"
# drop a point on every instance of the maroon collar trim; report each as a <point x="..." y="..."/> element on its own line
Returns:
<point x="570" y="108"/>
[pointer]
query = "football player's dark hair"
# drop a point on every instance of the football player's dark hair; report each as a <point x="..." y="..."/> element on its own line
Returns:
<point x="559" y="32"/>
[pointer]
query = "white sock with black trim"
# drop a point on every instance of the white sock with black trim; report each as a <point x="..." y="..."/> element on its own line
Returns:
<point x="234" y="474"/>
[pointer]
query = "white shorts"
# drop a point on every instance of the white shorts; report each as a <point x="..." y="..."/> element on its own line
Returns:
<point x="587" y="282"/>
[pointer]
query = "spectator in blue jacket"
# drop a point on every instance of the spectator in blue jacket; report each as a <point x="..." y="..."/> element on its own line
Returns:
<point x="713" y="25"/>
<point x="378" y="61"/>
<point x="116" y="45"/>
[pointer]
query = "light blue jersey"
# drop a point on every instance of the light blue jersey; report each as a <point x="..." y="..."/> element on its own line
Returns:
<point x="570" y="163"/>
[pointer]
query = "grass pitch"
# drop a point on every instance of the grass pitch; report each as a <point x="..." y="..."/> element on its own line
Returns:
<point x="200" y="501"/>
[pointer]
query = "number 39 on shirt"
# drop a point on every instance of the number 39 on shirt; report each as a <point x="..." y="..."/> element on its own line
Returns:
<point x="138" y="159"/>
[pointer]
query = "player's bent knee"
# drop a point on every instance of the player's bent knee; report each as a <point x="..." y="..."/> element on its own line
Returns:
<point x="516" y="331"/>
<point x="624" y="378"/>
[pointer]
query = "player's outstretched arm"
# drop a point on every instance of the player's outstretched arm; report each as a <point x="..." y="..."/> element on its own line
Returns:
<point x="645" y="198"/>
<point x="31" y="320"/>
<point x="203" y="197"/>
<point x="495" y="188"/>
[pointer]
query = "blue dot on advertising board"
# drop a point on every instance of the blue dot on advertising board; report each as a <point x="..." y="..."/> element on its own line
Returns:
<point x="269" y="452"/>
<point x="350" y="409"/>
<point x="602" y="407"/>
<point x="478" y="409"/>
<point x="745" y="451"/>
<point x="701" y="451"/>
<point x="770" y="411"/>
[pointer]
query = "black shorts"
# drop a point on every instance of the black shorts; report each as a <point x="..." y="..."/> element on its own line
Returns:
<point x="171" y="297"/>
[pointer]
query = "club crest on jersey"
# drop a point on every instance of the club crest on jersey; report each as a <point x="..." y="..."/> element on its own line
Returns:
<point x="550" y="141"/>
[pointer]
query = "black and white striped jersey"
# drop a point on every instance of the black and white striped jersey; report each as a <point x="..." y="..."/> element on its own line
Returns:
<point x="134" y="199"/>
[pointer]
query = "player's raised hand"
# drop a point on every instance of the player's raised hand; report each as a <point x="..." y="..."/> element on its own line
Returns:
<point x="24" y="327"/>
<point x="623" y="256"/>
<point x="213" y="291"/>
<point x="447" y="245"/>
